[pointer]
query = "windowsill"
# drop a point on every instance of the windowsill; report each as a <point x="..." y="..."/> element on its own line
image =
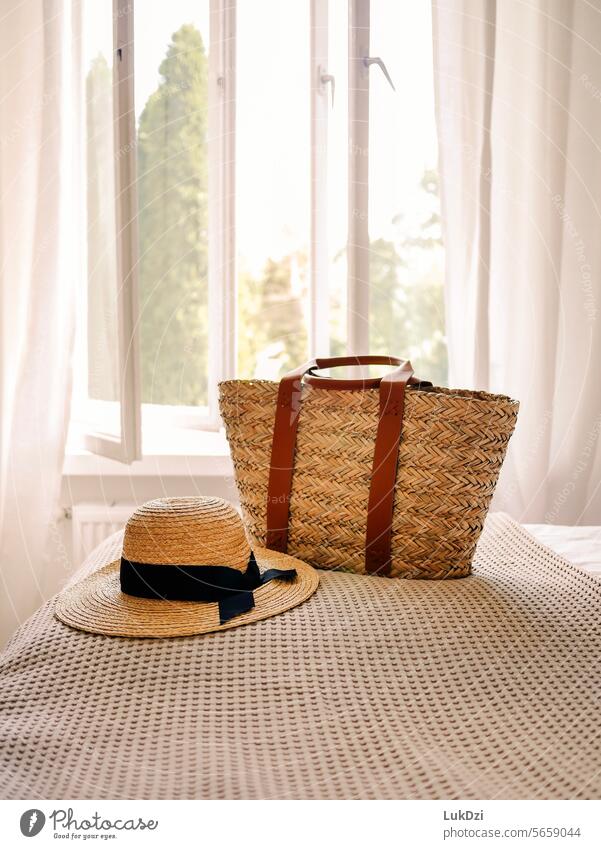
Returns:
<point x="179" y="452"/>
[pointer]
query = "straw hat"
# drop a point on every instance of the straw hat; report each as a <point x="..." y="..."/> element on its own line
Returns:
<point x="186" y="568"/>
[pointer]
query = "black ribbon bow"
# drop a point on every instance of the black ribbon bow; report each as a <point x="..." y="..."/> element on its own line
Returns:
<point x="231" y="589"/>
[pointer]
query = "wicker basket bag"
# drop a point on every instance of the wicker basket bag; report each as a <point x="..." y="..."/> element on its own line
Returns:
<point x="388" y="476"/>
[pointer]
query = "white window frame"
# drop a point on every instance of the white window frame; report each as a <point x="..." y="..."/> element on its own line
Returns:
<point x="98" y="436"/>
<point x="222" y="200"/>
<point x="102" y="419"/>
<point x="322" y="94"/>
<point x="222" y="285"/>
<point x="358" y="179"/>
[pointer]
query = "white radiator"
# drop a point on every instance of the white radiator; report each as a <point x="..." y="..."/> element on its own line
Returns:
<point x="93" y="523"/>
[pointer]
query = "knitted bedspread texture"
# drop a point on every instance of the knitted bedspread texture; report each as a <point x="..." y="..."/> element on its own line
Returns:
<point x="478" y="688"/>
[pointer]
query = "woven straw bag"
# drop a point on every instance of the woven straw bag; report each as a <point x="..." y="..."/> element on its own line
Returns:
<point x="390" y="475"/>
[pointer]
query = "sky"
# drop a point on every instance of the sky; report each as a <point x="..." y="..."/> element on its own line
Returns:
<point x="273" y="143"/>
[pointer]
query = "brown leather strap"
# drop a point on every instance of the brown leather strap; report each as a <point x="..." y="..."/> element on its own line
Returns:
<point x="346" y="383"/>
<point x="383" y="476"/>
<point x="282" y="457"/>
<point x="381" y="495"/>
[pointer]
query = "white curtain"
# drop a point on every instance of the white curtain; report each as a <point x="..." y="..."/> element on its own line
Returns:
<point x="518" y="89"/>
<point x="36" y="296"/>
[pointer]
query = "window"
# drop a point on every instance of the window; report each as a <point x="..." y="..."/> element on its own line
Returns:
<point x="406" y="310"/>
<point x="171" y="67"/>
<point x="285" y="200"/>
<point x="106" y="387"/>
<point x="273" y="214"/>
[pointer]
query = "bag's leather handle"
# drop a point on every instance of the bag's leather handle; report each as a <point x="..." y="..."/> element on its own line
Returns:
<point x="381" y="495"/>
<point x="351" y="383"/>
<point x="380" y="506"/>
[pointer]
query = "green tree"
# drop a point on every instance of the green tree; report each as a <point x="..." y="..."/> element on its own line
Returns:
<point x="173" y="217"/>
<point x="407" y="289"/>
<point x="388" y="324"/>
<point x="272" y="333"/>
<point x="251" y="336"/>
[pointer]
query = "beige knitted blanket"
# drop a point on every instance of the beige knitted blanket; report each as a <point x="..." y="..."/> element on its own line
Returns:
<point x="485" y="687"/>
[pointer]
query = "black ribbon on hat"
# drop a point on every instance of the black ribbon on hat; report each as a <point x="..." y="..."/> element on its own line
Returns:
<point x="231" y="589"/>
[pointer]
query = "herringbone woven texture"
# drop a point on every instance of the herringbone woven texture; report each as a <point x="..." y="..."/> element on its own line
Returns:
<point x="452" y="447"/>
<point x="372" y="689"/>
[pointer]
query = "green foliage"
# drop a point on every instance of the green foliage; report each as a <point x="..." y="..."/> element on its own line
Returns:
<point x="407" y="290"/>
<point x="388" y="307"/>
<point x="407" y="310"/>
<point x="251" y="337"/>
<point x="173" y="204"/>
<point x="272" y="333"/>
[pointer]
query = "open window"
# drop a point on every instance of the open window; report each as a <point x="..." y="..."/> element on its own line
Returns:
<point x="274" y="170"/>
<point x="107" y="387"/>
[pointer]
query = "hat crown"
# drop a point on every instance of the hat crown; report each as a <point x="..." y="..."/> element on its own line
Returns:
<point x="194" y="531"/>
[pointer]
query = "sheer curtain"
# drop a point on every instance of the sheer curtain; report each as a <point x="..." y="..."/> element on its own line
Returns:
<point x="36" y="294"/>
<point x="518" y="88"/>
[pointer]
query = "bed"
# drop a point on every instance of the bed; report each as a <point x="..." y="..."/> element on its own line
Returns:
<point x="485" y="687"/>
<point x="580" y="545"/>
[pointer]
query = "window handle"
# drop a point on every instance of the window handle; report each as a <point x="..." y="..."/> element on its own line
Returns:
<point x="326" y="79"/>
<point x="375" y="60"/>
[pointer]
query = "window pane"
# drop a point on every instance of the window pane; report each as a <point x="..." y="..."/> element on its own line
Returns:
<point x="171" y="58"/>
<point x="272" y="184"/>
<point x="99" y="162"/>
<point x="338" y="175"/>
<point x="406" y="255"/>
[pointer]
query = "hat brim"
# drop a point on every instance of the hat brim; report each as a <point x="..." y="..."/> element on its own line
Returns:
<point x="97" y="605"/>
